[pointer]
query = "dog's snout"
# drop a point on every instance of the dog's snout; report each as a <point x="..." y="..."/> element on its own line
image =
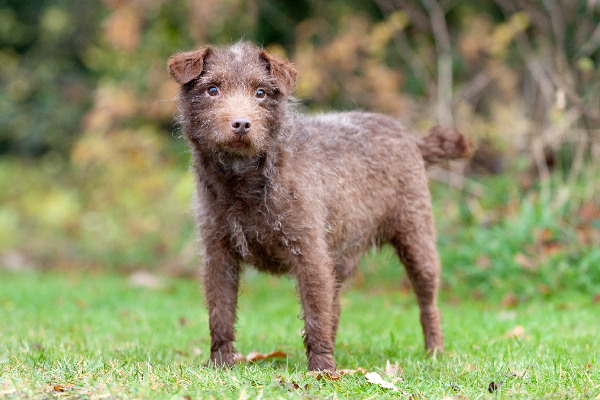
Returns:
<point x="241" y="126"/>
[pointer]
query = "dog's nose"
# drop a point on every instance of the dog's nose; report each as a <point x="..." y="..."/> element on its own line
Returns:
<point x="241" y="126"/>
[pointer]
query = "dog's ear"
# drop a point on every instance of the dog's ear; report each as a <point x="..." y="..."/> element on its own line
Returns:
<point x="282" y="71"/>
<point x="185" y="67"/>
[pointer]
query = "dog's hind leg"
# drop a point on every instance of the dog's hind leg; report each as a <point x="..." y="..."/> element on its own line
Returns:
<point x="415" y="245"/>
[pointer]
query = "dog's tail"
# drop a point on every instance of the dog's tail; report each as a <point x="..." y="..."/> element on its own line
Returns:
<point x="443" y="143"/>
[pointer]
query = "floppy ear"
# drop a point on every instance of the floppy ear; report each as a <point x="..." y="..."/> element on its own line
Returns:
<point x="185" y="67"/>
<point x="281" y="70"/>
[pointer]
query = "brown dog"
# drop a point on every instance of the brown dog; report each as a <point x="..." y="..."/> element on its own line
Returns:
<point x="301" y="195"/>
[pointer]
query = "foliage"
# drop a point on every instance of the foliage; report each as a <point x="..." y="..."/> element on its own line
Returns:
<point x="85" y="90"/>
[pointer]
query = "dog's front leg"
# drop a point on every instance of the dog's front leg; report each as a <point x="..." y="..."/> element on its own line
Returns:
<point x="221" y="284"/>
<point x="316" y="286"/>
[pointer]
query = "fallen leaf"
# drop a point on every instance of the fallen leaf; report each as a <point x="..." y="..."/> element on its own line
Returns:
<point x="376" y="379"/>
<point x="62" y="388"/>
<point x="255" y="356"/>
<point x="287" y="385"/>
<point x="182" y="321"/>
<point x="589" y="211"/>
<point x="543" y="289"/>
<point x="517" y="373"/>
<point x="510" y="300"/>
<point x="181" y="352"/>
<point x="494" y="386"/>
<point x="187" y="397"/>
<point x="144" y="279"/>
<point x="596" y="298"/>
<point x="331" y="376"/>
<point x="516" y="332"/>
<point x="524" y="261"/>
<point x="483" y="262"/>
<point x="392" y="370"/>
<point x="352" y="371"/>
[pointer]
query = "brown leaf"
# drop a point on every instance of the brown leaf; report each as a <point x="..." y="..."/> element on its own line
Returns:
<point x="552" y="247"/>
<point x="516" y="332"/>
<point x="392" y="370"/>
<point x="483" y="262"/>
<point x="286" y="385"/>
<point x="256" y="356"/>
<point x="196" y="351"/>
<point x="524" y="261"/>
<point x="543" y="289"/>
<point x="589" y="211"/>
<point x="352" y="371"/>
<point x="144" y="279"/>
<point x="62" y="388"/>
<point x="182" y="321"/>
<point x="331" y="376"/>
<point x="187" y="397"/>
<point x="510" y="300"/>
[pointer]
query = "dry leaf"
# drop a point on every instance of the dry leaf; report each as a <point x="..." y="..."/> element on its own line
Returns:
<point x="376" y="379"/>
<point x="331" y="376"/>
<point x="392" y="370"/>
<point x="596" y="298"/>
<point x="483" y="262"/>
<point x="517" y="373"/>
<point x="144" y="279"/>
<point x="62" y="388"/>
<point x="255" y="355"/>
<point x="352" y="371"/>
<point x="524" y="261"/>
<point x="516" y="332"/>
<point x="510" y="300"/>
<point x="543" y="289"/>
<point x="289" y="385"/>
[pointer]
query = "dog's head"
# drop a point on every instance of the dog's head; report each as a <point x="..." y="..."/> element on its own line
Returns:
<point x="232" y="98"/>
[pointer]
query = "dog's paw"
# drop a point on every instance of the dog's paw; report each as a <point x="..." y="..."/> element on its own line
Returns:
<point x="321" y="362"/>
<point x="220" y="359"/>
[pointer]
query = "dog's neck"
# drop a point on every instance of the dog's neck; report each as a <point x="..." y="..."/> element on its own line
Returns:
<point x="250" y="176"/>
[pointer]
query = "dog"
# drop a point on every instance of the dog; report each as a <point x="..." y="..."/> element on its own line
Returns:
<point x="302" y="195"/>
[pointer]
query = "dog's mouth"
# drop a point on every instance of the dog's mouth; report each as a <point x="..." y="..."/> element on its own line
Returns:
<point x="238" y="144"/>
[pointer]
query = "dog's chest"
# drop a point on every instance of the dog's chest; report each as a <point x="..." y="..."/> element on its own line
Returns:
<point x="264" y="236"/>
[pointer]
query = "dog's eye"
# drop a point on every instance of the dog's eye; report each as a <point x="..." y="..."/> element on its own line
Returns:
<point x="260" y="94"/>
<point x="212" y="91"/>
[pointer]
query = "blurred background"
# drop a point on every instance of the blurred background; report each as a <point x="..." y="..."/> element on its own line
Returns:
<point x="94" y="174"/>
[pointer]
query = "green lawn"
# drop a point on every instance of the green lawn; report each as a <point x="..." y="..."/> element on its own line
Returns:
<point x="82" y="335"/>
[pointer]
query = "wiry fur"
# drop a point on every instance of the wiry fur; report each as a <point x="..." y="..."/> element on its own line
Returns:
<point x="304" y="195"/>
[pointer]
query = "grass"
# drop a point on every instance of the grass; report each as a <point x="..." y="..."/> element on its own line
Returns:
<point x="512" y="257"/>
<point x="95" y="336"/>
